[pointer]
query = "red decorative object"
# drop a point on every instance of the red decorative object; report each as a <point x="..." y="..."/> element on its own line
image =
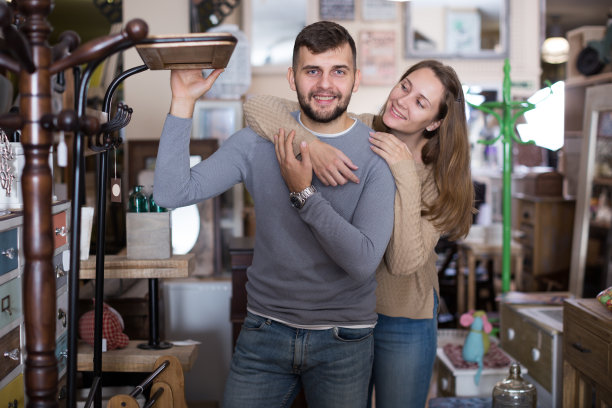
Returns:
<point x="112" y="328"/>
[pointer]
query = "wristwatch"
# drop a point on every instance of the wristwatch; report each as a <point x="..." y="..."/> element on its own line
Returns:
<point x="299" y="199"/>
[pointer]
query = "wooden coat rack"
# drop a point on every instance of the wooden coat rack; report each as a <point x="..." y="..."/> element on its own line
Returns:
<point x="27" y="53"/>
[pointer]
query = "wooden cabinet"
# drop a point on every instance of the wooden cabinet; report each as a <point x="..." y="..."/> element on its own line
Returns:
<point x="546" y="224"/>
<point x="587" y="354"/>
<point x="241" y="256"/>
<point x="12" y="328"/>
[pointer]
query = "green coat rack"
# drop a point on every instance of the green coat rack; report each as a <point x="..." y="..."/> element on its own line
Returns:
<point x="507" y="113"/>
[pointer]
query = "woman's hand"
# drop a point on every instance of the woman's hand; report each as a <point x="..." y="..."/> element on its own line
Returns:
<point x="187" y="86"/>
<point x="390" y="147"/>
<point x="330" y="165"/>
<point x="297" y="174"/>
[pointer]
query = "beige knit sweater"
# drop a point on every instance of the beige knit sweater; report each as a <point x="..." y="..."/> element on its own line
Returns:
<point x="407" y="275"/>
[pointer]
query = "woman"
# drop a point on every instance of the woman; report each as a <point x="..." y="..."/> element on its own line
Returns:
<point x="421" y="132"/>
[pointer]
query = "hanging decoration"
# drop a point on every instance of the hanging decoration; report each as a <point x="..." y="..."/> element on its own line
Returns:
<point x="7" y="176"/>
<point x="206" y="14"/>
<point x="511" y="111"/>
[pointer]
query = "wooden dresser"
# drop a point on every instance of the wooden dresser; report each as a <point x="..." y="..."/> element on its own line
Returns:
<point x="12" y="326"/>
<point x="587" y="354"/>
<point x="546" y="224"/>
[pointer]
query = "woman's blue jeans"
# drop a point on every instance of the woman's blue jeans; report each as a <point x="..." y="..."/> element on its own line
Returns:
<point x="272" y="361"/>
<point x="404" y="355"/>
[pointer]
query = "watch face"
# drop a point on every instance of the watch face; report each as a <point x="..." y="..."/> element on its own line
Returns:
<point x="296" y="201"/>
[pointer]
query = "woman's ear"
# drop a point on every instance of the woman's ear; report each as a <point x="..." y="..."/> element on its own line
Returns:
<point x="433" y="126"/>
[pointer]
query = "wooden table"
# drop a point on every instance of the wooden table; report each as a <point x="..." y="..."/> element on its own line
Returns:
<point x="471" y="251"/>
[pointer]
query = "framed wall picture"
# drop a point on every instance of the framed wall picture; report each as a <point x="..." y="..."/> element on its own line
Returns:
<point x="372" y="10"/>
<point x="337" y="9"/>
<point x="377" y="57"/>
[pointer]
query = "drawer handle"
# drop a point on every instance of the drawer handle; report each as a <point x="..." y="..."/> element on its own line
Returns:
<point x="63" y="394"/>
<point x="535" y="354"/>
<point x="13" y="404"/>
<point x="6" y="305"/>
<point x="580" y="348"/>
<point x="511" y="334"/>
<point x="9" y="253"/>
<point x="62" y="232"/>
<point x="61" y="315"/>
<point x="526" y="215"/>
<point x="13" y="354"/>
<point x="59" y="272"/>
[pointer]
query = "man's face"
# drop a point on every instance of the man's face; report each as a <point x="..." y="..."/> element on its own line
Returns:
<point x="324" y="82"/>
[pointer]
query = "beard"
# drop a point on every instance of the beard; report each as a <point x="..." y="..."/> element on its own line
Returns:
<point x="322" y="117"/>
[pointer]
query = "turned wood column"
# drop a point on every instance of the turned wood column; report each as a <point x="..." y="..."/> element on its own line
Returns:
<point x="38" y="275"/>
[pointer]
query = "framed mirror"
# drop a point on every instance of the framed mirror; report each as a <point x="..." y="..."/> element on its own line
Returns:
<point x="271" y="26"/>
<point x="591" y="265"/>
<point x="457" y="28"/>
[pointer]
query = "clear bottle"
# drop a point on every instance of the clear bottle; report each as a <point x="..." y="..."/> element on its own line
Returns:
<point x="138" y="201"/>
<point x="514" y="392"/>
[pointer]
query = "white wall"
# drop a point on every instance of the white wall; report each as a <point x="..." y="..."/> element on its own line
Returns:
<point x="149" y="92"/>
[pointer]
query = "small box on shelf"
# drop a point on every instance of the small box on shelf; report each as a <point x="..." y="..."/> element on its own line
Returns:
<point x="149" y="235"/>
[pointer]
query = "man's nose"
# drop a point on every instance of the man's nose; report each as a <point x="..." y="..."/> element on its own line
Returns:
<point x="325" y="80"/>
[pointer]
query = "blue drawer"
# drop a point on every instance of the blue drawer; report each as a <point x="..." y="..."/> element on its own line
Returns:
<point x="10" y="302"/>
<point x="9" y="251"/>
<point x="61" y="353"/>
<point x="60" y="274"/>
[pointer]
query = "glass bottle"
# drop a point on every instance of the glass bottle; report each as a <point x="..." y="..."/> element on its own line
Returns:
<point x="514" y="392"/>
<point x="153" y="207"/>
<point x="138" y="201"/>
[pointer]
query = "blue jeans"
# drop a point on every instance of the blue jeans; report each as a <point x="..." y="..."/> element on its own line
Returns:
<point x="404" y="355"/>
<point x="272" y="361"/>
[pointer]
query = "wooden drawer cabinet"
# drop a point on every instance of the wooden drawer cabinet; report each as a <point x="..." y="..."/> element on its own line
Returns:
<point x="546" y="224"/>
<point x="10" y="352"/>
<point x="587" y="354"/>
<point x="10" y="302"/>
<point x="60" y="226"/>
<point x="12" y="394"/>
<point x="9" y="251"/>
<point x="61" y="323"/>
<point x="61" y="275"/>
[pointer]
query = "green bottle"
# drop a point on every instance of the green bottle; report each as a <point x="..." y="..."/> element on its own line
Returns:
<point x="138" y="201"/>
<point x="153" y="207"/>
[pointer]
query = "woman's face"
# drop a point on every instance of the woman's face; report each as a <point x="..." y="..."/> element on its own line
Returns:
<point x="413" y="103"/>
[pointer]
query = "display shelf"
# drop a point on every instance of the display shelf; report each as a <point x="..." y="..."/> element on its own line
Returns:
<point x="118" y="266"/>
<point x="134" y="359"/>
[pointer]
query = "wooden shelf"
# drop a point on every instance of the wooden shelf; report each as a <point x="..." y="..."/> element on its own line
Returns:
<point x="118" y="266"/>
<point x="134" y="359"/>
<point x="584" y="81"/>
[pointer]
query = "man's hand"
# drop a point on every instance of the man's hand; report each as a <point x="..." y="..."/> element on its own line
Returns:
<point x="187" y="86"/>
<point x="297" y="174"/>
<point x="330" y="165"/>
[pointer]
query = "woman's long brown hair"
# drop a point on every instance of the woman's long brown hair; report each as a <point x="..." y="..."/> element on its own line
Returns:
<point x="448" y="151"/>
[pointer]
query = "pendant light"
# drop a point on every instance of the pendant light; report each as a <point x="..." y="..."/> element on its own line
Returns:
<point x="555" y="49"/>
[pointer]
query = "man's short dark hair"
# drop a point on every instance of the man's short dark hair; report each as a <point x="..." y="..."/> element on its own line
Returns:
<point x="323" y="36"/>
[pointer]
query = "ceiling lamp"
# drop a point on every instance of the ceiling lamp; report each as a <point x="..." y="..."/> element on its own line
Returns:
<point x="555" y="49"/>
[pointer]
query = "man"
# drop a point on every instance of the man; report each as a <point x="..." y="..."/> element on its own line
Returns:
<point x="311" y="287"/>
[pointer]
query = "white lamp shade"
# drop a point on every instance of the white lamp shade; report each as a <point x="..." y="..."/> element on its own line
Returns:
<point x="555" y="50"/>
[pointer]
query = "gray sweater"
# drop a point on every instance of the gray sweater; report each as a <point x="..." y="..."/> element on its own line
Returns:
<point x="313" y="266"/>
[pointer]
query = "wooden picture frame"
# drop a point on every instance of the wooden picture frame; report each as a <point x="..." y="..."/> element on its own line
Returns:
<point x="597" y="101"/>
